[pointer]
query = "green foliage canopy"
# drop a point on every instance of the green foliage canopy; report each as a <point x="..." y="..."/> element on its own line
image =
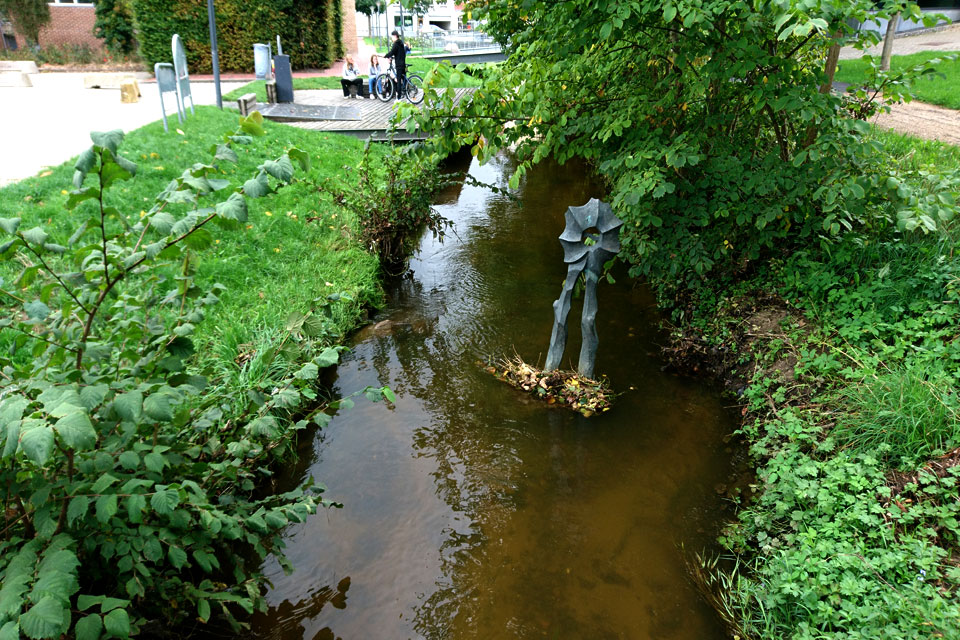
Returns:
<point x="707" y="118"/>
<point x="114" y="25"/>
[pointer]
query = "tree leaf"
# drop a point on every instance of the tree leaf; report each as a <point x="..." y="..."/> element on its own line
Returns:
<point x="35" y="236"/>
<point x="117" y="623"/>
<point x="37" y="310"/>
<point x="257" y="187"/>
<point x="89" y="628"/>
<point x="281" y="168"/>
<point x="85" y="162"/>
<point x="37" y="443"/>
<point x="107" y="139"/>
<point x="76" y="430"/>
<point x="9" y="225"/>
<point x="77" y="508"/>
<point x="203" y="609"/>
<point x="308" y="372"/>
<point x="177" y="556"/>
<point x="129" y="406"/>
<point x="129" y="460"/>
<point x="233" y="208"/>
<point x="164" y="501"/>
<point x="301" y="157"/>
<point x="224" y="152"/>
<point x="106" y="507"/>
<point x="44" y="619"/>
<point x="162" y="221"/>
<point x="327" y="358"/>
<point x="157" y="406"/>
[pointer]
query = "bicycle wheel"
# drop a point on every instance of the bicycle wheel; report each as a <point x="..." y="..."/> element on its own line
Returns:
<point x="384" y="87"/>
<point x="414" y="89"/>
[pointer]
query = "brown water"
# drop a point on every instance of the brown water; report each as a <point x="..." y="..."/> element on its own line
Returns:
<point x="473" y="511"/>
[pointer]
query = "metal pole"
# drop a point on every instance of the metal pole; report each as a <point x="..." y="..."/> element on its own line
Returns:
<point x="212" y="19"/>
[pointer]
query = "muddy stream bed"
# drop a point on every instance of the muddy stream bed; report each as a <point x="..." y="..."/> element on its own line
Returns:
<point x="473" y="511"/>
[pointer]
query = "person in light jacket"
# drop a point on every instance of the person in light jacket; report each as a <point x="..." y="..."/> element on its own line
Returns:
<point x="351" y="77"/>
<point x="374" y="72"/>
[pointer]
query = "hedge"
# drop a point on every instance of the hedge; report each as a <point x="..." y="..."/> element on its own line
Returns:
<point x="310" y="30"/>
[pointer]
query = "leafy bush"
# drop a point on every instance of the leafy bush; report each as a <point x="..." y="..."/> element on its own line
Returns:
<point x="720" y="147"/>
<point x="129" y="487"/>
<point x="392" y="200"/>
<point x="311" y="32"/>
<point x="114" y="25"/>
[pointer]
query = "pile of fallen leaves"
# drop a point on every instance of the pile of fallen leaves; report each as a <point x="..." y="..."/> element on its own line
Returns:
<point x="566" y="388"/>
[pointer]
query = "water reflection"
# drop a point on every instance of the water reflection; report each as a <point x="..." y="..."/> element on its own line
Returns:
<point x="473" y="511"/>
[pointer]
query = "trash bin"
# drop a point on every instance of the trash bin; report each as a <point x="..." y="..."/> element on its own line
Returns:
<point x="284" y="78"/>
<point x="261" y="60"/>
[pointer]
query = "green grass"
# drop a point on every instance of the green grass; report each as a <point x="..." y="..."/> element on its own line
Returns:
<point x="905" y="416"/>
<point x="275" y="265"/>
<point x="915" y="153"/>
<point x="416" y="65"/>
<point x="943" y="90"/>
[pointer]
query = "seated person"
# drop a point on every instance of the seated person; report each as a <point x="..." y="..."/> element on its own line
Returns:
<point x="374" y="72"/>
<point x="351" y="76"/>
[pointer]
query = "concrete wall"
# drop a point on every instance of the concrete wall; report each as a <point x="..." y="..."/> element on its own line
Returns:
<point x="905" y="26"/>
<point x="69" y="24"/>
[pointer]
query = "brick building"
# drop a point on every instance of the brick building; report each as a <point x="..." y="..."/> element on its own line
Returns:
<point x="71" y="23"/>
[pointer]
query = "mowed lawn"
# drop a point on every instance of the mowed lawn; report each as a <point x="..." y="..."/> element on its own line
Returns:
<point x="941" y="88"/>
<point x="297" y="246"/>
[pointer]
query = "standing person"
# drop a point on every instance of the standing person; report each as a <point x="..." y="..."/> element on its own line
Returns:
<point x="399" y="53"/>
<point x="351" y="77"/>
<point x="374" y="72"/>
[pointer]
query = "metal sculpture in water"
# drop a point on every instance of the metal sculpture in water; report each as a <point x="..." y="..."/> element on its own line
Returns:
<point x="587" y="258"/>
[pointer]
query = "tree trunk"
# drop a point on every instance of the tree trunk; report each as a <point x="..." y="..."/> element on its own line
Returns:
<point x="888" y="42"/>
<point x="830" y="67"/>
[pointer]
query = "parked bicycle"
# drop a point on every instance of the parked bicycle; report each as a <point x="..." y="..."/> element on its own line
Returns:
<point x="387" y="86"/>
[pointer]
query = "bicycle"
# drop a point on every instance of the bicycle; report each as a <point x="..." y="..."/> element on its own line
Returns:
<point x="387" y="86"/>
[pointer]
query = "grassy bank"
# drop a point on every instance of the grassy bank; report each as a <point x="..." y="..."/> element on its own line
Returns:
<point x="163" y="337"/>
<point x="846" y="357"/>
<point x="295" y="247"/>
<point x="415" y="65"/>
<point x="942" y="88"/>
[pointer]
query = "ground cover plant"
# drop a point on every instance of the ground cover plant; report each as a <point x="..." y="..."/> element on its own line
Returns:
<point x="131" y="468"/>
<point x="942" y="88"/>
<point x="852" y="414"/>
<point x="415" y="65"/>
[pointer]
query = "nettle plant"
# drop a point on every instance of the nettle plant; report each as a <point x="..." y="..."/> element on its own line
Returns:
<point x="127" y="493"/>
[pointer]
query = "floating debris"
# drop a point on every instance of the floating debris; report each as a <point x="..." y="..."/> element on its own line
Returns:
<point x="566" y="388"/>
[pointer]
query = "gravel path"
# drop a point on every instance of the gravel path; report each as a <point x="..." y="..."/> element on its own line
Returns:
<point x="945" y="39"/>
<point x="923" y="120"/>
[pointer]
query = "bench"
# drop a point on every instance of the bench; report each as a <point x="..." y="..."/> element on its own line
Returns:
<point x="362" y="91"/>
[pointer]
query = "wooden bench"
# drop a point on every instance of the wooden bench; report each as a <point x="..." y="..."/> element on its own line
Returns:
<point x="247" y="103"/>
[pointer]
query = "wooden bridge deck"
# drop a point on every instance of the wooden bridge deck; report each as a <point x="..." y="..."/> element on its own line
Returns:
<point x="374" y="114"/>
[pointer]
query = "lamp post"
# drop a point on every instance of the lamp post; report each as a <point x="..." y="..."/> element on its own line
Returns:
<point x="212" y="19"/>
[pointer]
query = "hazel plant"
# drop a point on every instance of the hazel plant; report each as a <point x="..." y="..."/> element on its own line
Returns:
<point x="127" y="494"/>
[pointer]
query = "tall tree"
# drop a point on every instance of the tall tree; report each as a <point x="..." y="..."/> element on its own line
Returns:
<point x="28" y="17"/>
<point x="706" y="118"/>
<point x="368" y="8"/>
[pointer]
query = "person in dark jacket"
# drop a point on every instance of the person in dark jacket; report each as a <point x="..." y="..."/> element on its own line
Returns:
<point x="399" y="54"/>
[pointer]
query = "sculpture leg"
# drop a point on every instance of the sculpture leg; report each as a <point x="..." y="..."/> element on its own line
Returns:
<point x="558" y="338"/>
<point x="588" y="326"/>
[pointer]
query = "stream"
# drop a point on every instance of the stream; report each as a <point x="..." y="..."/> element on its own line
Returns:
<point x="474" y="511"/>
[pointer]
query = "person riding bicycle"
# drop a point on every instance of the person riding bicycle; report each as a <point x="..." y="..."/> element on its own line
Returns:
<point x="398" y="52"/>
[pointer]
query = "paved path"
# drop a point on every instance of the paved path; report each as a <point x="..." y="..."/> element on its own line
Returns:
<point x="946" y="39"/>
<point x="51" y="121"/>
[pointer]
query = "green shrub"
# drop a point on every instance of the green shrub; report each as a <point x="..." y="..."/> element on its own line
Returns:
<point x="311" y="32"/>
<point x="129" y="487"/>
<point x="114" y="25"/>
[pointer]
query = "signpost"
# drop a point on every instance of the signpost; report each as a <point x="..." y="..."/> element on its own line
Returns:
<point x="212" y="19"/>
